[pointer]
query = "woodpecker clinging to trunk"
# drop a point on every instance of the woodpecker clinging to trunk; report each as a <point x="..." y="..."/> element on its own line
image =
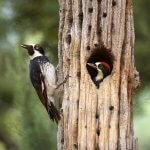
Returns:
<point x="102" y="70"/>
<point x="43" y="78"/>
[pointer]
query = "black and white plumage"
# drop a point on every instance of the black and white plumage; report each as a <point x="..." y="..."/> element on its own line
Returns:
<point x="43" y="78"/>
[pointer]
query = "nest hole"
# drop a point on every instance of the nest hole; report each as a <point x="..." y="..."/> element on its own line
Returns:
<point x="100" y="55"/>
<point x="111" y="108"/>
<point x="96" y="116"/>
<point x="104" y="14"/>
<point x="75" y="146"/>
<point x="98" y="132"/>
<point x="114" y="3"/>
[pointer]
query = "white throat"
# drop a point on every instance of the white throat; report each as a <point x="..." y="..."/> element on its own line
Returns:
<point x="99" y="75"/>
<point x="36" y="54"/>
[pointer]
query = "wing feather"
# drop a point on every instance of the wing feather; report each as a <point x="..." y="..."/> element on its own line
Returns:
<point x="43" y="79"/>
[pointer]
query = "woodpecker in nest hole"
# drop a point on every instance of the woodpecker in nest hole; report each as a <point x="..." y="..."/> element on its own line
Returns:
<point x="43" y="78"/>
<point x="102" y="70"/>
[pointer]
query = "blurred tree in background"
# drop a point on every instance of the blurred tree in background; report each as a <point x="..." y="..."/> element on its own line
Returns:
<point x="24" y="123"/>
<point x="142" y="56"/>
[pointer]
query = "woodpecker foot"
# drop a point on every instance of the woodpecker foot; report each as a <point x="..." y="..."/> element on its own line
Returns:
<point x="65" y="80"/>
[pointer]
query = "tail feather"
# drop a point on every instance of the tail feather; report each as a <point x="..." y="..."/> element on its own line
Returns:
<point x="53" y="112"/>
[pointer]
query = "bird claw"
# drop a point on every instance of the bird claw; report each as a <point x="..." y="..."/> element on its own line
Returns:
<point x="64" y="81"/>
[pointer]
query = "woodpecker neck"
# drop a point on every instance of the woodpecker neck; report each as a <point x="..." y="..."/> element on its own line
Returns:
<point x="36" y="54"/>
<point x="99" y="75"/>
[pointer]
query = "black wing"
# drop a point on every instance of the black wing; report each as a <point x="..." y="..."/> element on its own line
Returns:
<point x="37" y="79"/>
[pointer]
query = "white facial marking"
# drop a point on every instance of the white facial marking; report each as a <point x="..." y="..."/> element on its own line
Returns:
<point x="36" y="54"/>
<point x="97" y="63"/>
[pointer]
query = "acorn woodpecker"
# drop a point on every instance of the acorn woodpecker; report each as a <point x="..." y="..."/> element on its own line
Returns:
<point x="102" y="70"/>
<point x="43" y="78"/>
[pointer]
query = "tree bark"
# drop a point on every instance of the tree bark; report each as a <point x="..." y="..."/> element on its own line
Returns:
<point x="96" y="119"/>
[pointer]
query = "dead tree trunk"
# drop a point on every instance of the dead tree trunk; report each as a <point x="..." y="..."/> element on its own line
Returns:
<point x="96" y="119"/>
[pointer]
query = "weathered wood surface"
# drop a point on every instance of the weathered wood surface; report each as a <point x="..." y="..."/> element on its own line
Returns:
<point x="96" y="119"/>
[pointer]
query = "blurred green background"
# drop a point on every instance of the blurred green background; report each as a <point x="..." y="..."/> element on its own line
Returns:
<point x="24" y="123"/>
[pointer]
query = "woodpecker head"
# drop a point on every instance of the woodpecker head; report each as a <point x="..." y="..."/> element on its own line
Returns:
<point x="34" y="50"/>
<point x="101" y="70"/>
<point x="101" y="67"/>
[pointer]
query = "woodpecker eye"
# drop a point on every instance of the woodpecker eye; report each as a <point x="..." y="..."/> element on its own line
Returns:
<point x="39" y="48"/>
<point x="36" y="47"/>
<point x="99" y="66"/>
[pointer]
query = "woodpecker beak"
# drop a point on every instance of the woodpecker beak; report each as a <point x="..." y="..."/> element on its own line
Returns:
<point x="92" y="65"/>
<point x="25" y="46"/>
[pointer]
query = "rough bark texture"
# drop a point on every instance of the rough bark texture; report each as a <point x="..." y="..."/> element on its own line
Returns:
<point x="96" y="119"/>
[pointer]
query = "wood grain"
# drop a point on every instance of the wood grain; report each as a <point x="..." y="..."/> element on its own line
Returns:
<point x="96" y="119"/>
